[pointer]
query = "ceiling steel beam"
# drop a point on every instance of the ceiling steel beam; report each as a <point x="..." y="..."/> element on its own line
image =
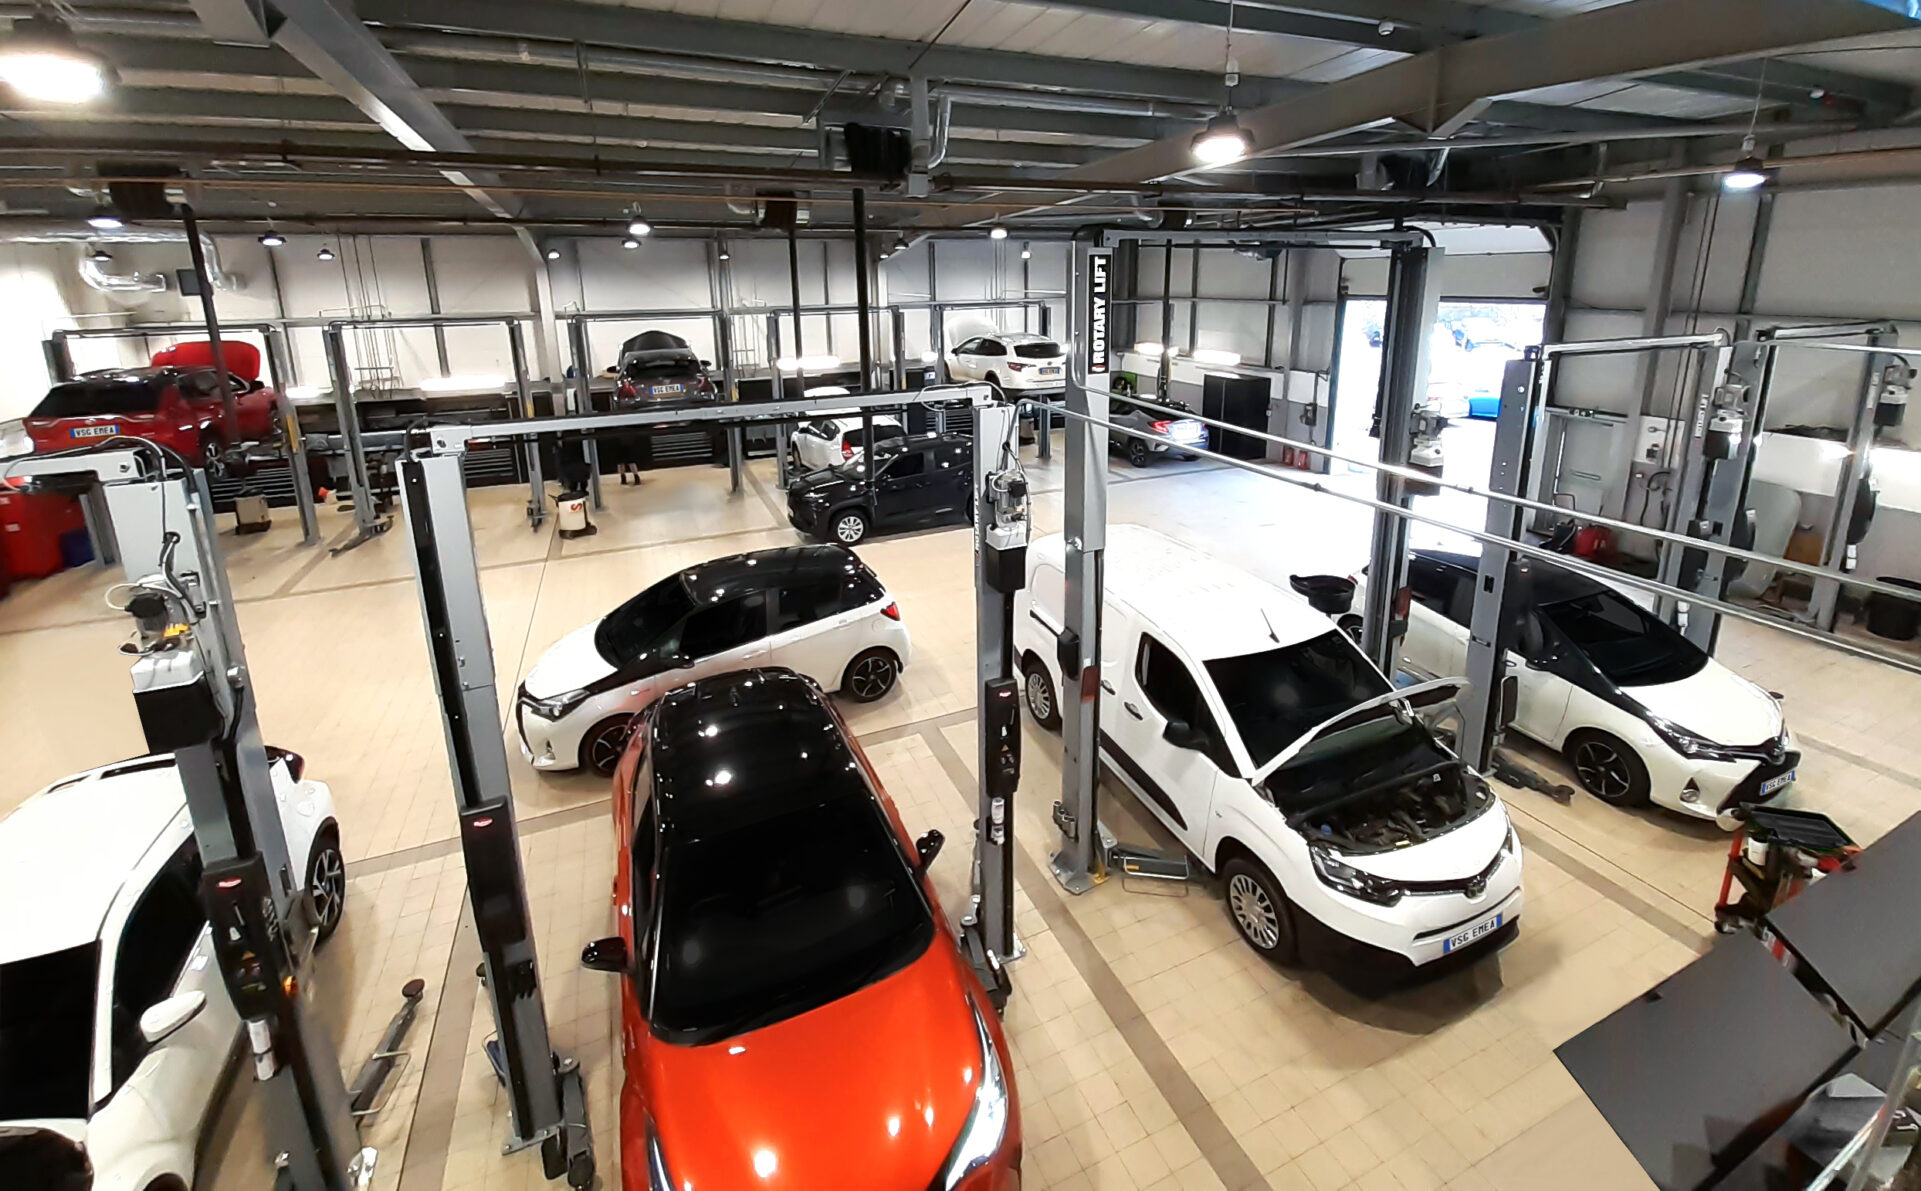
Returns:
<point x="1292" y="22"/>
<point x="341" y="52"/>
<point x="654" y="29"/>
<point x="1637" y="37"/>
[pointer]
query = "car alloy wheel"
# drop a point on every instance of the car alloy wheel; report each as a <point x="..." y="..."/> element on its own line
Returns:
<point x="849" y="528"/>
<point x="870" y="675"/>
<point x="1137" y="453"/>
<point x="1608" y="769"/>
<point x="1040" y="699"/>
<point x="327" y="882"/>
<point x="604" y="746"/>
<point x="1253" y="913"/>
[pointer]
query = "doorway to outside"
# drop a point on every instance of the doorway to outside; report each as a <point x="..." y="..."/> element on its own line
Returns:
<point x="1470" y="346"/>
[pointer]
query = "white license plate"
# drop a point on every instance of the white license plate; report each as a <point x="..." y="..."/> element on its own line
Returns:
<point x="1776" y="783"/>
<point x="1484" y="927"/>
<point x="1050" y="372"/>
<point x="93" y="431"/>
<point x="659" y="389"/>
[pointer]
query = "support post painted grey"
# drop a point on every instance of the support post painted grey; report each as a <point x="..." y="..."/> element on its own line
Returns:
<point x="1413" y="299"/>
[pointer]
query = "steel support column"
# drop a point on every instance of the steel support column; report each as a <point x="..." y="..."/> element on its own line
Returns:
<point x="1655" y="311"/>
<point x="347" y="411"/>
<point x="1078" y="863"/>
<point x="994" y="666"/>
<point x="1489" y="635"/>
<point x="1413" y="298"/>
<point x="582" y="392"/>
<point x="536" y="483"/>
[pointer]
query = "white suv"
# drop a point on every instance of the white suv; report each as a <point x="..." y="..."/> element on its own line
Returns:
<point x="815" y="609"/>
<point x="115" y="1027"/>
<point x="1340" y="825"/>
<point x="1014" y="363"/>
<point x="830" y="442"/>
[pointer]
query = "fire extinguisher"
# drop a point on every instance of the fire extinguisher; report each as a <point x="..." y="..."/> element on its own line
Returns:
<point x="1287" y="457"/>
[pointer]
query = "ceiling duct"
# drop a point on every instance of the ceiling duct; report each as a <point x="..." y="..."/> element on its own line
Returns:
<point x="52" y="231"/>
<point x="95" y="271"/>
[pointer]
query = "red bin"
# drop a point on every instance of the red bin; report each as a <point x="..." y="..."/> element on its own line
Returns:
<point x="30" y="527"/>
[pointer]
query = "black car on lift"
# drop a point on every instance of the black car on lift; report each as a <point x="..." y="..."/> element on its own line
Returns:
<point x="925" y="479"/>
<point x="659" y="370"/>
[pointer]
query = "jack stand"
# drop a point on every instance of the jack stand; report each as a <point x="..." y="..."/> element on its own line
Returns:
<point x="1515" y="774"/>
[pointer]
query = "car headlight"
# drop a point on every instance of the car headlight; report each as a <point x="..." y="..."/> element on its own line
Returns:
<point x="1352" y="881"/>
<point x="1687" y="743"/>
<point x="986" y="1127"/>
<point x="556" y="707"/>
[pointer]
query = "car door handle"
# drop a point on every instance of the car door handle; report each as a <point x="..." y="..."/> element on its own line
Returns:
<point x="1107" y="686"/>
<point x="1132" y="710"/>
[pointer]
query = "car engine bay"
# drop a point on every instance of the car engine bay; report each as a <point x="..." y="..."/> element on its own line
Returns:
<point x="1380" y="795"/>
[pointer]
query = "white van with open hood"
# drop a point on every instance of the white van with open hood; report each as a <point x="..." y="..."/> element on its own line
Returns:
<point x="1341" y="825"/>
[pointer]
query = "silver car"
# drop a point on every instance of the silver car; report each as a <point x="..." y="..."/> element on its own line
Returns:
<point x="1185" y="432"/>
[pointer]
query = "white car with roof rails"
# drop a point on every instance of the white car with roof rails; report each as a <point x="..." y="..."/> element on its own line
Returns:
<point x="115" y="1027"/>
<point x="1343" y="830"/>
<point x="1014" y="362"/>
<point x="837" y="439"/>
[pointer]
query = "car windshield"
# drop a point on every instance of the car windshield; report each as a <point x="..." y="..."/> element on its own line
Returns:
<point x="1275" y="696"/>
<point x="97" y="398"/>
<point x="882" y="433"/>
<point x="1625" y="642"/>
<point x="46" y="1034"/>
<point x="1045" y="349"/>
<point x="768" y="920"/>
<point x="643" y="627"/>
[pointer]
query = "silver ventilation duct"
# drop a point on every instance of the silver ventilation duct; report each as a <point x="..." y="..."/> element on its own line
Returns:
<point x="94" y="271"/>
<point x="52" y="231"/>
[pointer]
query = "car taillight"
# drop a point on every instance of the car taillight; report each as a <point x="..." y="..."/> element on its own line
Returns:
<point x="891" y="611"/>
<point x="846" y="450"/>
<point x="1160" y="427"/>
<point x="1017" y="366"/>
<point x="628" y="390"/>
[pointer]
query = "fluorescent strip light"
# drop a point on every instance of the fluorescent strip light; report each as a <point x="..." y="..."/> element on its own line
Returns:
<point x="1216" y="356"/>
<point x="1148" y="349"/>
<point x="807" y="363"/>
<point x="457" y="384"/>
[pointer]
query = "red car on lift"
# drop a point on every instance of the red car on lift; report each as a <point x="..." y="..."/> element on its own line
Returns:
<point x="175" y="403"/>
<point x="796" y="1012"/>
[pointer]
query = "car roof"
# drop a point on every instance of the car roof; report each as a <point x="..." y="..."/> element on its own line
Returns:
<point x="1016" y="337"/>
<point x="746" y="746"/>
<point x="1207" y="607"/>
<point x="66" y="851"/>
<point x="1552" y="584"/>
<point x="762" y="568"/>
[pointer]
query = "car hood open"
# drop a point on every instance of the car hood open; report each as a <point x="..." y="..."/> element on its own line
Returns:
<point x="867" y="1093"/>
<point x="1463" y="852"/>
<point x="45" y="1154"/>
<point x="1422" y="696"/>
<point x="569" y="664"/>
<point x="1715" y="704"/>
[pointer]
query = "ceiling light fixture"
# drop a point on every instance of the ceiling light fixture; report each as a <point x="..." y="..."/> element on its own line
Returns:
<point x="41" y="60"/>
<point x="105" y="220"/>
<point x="272" y="239"/>
<point x="726" y="256"/>
<point x="325" y="254"/>
<point x="1748" y="173"/>
<point x="997" y="232"/>
<point x="1223" y="140"/>
<point x="1027" y="254"/>
<point x="638" y="227"/>
<point x="630" y="242"/>
<point x="553" y="254"/>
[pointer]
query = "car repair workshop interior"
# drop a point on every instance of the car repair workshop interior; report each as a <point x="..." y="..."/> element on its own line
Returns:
<point x="960" y="595"/>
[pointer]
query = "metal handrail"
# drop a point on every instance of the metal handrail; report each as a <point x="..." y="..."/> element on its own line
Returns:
<point x="1564" y="561"/>
<point x="1429" y="478"/>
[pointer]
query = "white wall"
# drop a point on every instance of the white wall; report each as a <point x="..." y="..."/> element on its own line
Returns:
<point x="1228" y="311"/>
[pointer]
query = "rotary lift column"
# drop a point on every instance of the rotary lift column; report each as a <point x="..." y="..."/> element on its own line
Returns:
<point x="546" y="1098"/>
<point x="1079" y="862"/>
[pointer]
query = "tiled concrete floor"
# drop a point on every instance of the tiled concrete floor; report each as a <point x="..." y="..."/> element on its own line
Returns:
<point x="1152" y="1049"/>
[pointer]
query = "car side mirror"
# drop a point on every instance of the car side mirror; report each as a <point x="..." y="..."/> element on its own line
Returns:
<point x="1182" y="735"/>
<point x="160" y="1021"/>
<point x="706" y="363"/>
<point x="606" y="955"/>
<point x="928" y="846"/>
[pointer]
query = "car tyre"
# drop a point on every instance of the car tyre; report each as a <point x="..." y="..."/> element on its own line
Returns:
<point x="1608" y="769"/>
<point x="1042" y="701"/>
<point x="1260" y="912"/>
<point x="848" y="526"/>
<point x="601" y="748"/>
<point x="326" y="881"/>
<point x="212" y="446"/>
<point x="871" y="674"/>
<point x="1137" y="453"/>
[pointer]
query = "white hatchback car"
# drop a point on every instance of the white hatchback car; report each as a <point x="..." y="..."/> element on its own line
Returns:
<point x="115" y="1026"/>
<point x="1254" y="729"/>
<point x="1014" y="362"/>
<point x="832" y="441"/>
<point x="814" y="609"/>
<point x="1642" y="713"/>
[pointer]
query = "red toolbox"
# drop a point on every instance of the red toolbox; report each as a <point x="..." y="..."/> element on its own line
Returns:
<point x="30" y="527"/>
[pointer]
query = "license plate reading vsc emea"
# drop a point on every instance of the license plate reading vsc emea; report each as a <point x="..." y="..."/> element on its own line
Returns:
<point x="660" y="390"/>
<point x="1776" y="783"/>
<point x="1486" y="926"/>
<point x="94" y="431"/>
